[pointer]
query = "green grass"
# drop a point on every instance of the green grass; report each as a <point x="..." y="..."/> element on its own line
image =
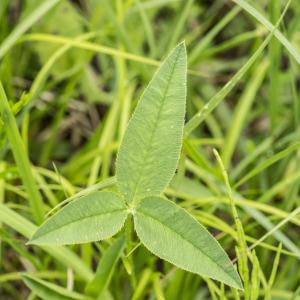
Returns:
<point x="73" y="72"/>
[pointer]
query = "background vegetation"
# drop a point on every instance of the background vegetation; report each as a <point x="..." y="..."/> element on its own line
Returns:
<point x="73" y="72"/>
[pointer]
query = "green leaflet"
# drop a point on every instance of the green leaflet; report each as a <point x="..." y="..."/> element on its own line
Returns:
<point x="106" y="268"/>
<point x="49" y="291"/>
<point x="149" y="153"/>
<point x="93" y="217"/>
<point x="172" y="234"/>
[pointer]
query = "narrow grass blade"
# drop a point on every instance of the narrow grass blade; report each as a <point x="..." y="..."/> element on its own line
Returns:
<point x="281" y="38"/>
<point x="148" y="28"/>
<point x="251" y="156"/>
<point x="268" y="162"/>
<point x="98" y="49"/>
<point x="242" y="111"/>
<point x="88" y="46"/>
<point x="208" y="38"/>
<point x="26" y="24"/>
<point x="220" y="96"/>
<point x="65" y="256"/>
<point x="241" y="248"/>
<point x="180" y="23"/>
<point x="96" y="187"/>
<point x="275" y="267"/>
<point x="271" y="231"/>
<point x="106" y="268"/>
<point x="150" y="150"/>
<point x="50" y="291"/>
<point x="198" y="118"/>
<point x="23" y="164"/>
<point x="44" y="72"/>
<point x="277" y="233"/>
<point x="93" y="217"/>
<point x="140" y="289"/>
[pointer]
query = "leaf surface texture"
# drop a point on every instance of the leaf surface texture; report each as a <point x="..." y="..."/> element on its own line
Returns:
<point x="151" y="146"/>
<point x="172" y="234"/>
<point x="93" y="217"/>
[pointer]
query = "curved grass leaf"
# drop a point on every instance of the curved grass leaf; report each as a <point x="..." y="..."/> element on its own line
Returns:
<point x="62" y="254"/>
<point x="27" y="22"/>
<point x="106" y="268"/>
<point x="22" y="160"/>
<point x="249" y="8"/>
<point x="149" y="153"/>
<point x="93" y="217"/>
<point x="171" y="233"/>
<point x="49" y="291"/>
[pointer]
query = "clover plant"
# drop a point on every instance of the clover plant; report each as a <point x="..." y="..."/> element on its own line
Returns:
<point x="146" y="162"/>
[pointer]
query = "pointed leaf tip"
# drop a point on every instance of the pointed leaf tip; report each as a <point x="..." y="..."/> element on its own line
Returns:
<point x="172" y="234"/>
<point x="182" y="44"/>
<point x="93" y="217"/>
<point x="151" y="146"/>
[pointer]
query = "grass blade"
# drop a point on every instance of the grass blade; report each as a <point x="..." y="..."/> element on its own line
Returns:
<point x="63" y="255"/>
<point x="219" y="97"/>
<point x="281" y="38"/>
<point x="50" y="291"/>
<point x="241" y="112"/>
<point x="26" y="24"/>
<point x="106" y="268"/>
<point x="18" y="149"/>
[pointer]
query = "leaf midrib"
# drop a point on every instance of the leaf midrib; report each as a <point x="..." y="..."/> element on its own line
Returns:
<point x="190" y="242"/>
<point x="81" y="219"/>
<point x="145" y="160"/>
